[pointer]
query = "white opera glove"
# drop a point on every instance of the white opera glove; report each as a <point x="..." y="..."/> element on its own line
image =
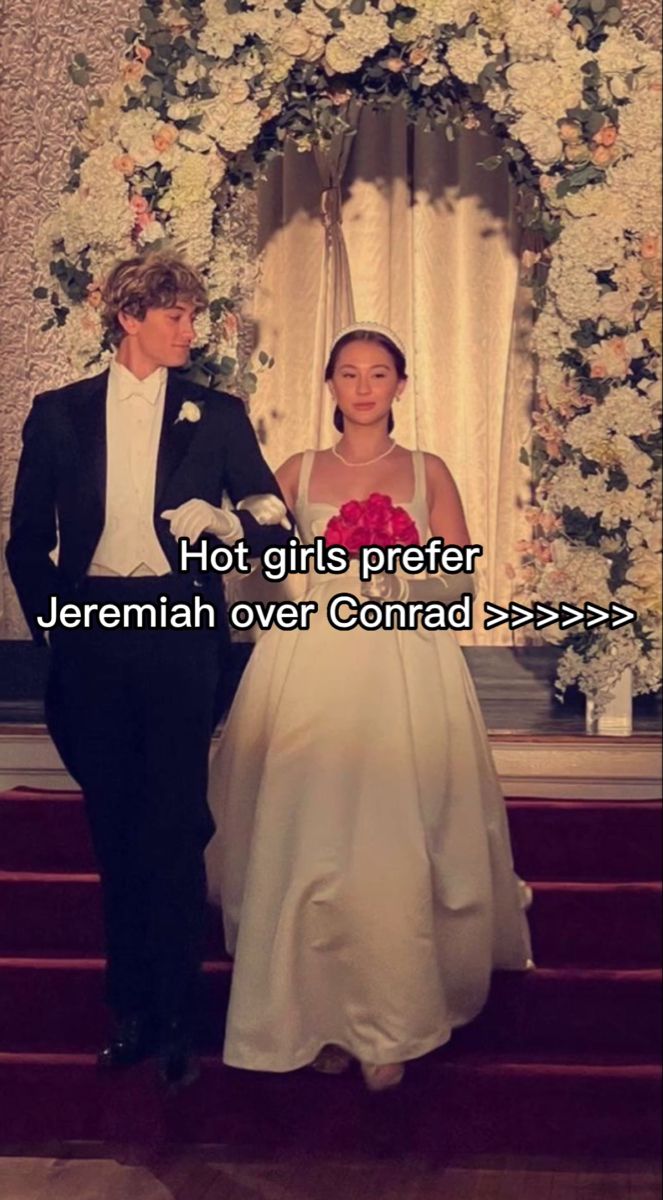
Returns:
<point x="197" y="516"/>
<point x="266" y="510"/>
<point x="440" y="587"/>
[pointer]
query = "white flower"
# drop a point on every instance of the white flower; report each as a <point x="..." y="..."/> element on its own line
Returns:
<point x="295" y="40"/>
<point x="181" y="110"/>
<point x="640" y="123"/>
<point x="576" y="575"/>
<point x="136" y="130"/>
<point x="194" y="180"/>
<point x="621" y="53"/>
<point x="467" y="58"/>
<point x="622" y="506"/>
<point x="221" y="32"/>
<point x="98" y="213"/>
<point x="192" y="71"/>
<point x="192" y="139"/>
<point x="361" y="37"/>
<point x="544" y="87"/>
<point x="152" y="232"/>
<point x="190" y="411"/>
<point x="531" y="31"/>
<point x="540" y="135"/>
<point x="191" y="231"/>
<point x="233" y="126"/>
<point x="631" y="178"/>
<point x="569" y="489"/>
<point x="314" y="21"/>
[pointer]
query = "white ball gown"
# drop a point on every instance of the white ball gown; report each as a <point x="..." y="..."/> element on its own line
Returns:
<point x="362" y="856"/>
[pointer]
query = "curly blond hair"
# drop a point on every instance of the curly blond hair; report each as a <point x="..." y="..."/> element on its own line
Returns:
<point x="156" y="280"/>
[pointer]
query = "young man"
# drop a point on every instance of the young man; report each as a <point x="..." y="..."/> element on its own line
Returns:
<point x="116" y="468"/>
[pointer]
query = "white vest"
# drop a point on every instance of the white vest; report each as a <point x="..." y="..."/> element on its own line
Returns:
<point x="134" y="415"/>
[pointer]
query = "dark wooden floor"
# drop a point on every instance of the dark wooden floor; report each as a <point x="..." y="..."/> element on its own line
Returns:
<point x="80" y="1173"/>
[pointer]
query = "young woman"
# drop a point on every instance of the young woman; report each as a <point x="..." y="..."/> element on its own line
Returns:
<point x="362" y="855"/>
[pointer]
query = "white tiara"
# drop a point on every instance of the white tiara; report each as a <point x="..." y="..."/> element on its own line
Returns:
<point x="369" y="327"/>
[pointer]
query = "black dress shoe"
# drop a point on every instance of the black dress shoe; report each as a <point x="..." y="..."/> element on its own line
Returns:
<point x="132" y="1041"/>
<point x="178" y="1065"/>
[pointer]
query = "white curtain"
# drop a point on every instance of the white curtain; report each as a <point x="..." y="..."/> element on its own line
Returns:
<point x="432" y="246"/>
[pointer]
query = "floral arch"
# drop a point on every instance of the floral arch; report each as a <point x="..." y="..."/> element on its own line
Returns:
<point x="210" y="90"/>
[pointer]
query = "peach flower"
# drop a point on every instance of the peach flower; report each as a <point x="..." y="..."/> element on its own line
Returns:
<point x="164" y="137"/>
<point x="570" y="132"/>
<point x="340" y="96"/>
<point x="650" y="246"/>
<point x="606" y="136"/>
<point x="611" y="358"/>
<point x="132" y="72"/>
<point x="418" y="56"/>
<point x="142" y="52"/>
<point x="125" y="164"/>
<point x="139" y="205"/>
<point x="230" y="326"/>
<point x="542" y="552"/>
<point x="603" y="156"/>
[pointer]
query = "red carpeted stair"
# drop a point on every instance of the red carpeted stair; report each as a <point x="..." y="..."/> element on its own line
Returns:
<point x="563" y="1059"/>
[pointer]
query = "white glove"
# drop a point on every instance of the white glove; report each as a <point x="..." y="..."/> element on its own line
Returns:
<point x="197" y="516"/>
<point x="443" y="587"/>
<point x="266" y="510"/>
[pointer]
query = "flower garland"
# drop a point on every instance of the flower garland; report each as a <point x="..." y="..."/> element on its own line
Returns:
<point x="211" y="90"/>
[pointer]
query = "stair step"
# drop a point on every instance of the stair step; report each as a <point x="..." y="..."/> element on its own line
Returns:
<point x="586" y="840"/>
<point x="502" y="1105"/>
<point x="582" y="924"/>
<point x="552" y="839"/>
<point x="57" y="1005"/>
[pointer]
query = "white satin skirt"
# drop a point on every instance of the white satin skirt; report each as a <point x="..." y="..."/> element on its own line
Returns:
<point x="362" y="858"/>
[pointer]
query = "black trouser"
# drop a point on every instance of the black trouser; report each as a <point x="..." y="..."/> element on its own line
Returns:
<point x="137" y="709"/>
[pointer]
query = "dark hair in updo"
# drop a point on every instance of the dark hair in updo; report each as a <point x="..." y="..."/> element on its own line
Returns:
<point x="365" y="335"/>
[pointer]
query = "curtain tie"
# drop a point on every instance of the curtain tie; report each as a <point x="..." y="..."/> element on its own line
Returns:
<point x="330" y="207"/>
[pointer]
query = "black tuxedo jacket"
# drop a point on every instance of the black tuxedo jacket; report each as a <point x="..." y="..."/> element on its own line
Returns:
<point x="61" y="482"/>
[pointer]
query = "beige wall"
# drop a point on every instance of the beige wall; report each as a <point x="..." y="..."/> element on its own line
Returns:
<point x="38" y="109"/>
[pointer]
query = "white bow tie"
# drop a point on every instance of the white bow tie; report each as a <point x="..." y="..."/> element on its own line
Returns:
<point x="134" y="392"/>
<point x="128" y="387"/>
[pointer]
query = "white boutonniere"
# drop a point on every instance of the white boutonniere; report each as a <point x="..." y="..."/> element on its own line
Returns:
<point x="191" y="410"/>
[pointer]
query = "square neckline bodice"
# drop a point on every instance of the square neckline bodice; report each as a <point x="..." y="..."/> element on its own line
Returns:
<point x="309" y="513"/>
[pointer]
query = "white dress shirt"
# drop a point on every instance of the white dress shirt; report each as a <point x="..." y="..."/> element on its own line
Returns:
<point x="134" y="415"/>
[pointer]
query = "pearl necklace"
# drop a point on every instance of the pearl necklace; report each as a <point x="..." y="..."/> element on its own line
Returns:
<point x="367" y="463"/>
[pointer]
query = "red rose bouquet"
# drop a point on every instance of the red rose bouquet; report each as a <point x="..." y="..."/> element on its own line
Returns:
<point x="372" y="522"/>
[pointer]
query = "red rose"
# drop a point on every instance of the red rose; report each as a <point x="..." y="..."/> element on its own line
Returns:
<point x="372" y="522"/>
<point x="352" y="511"/>
<point x="336" y="532"/>
<point x="404" y="529"/>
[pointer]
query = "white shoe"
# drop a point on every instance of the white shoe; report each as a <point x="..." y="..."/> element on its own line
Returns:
<point x="378" y="1078"/>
